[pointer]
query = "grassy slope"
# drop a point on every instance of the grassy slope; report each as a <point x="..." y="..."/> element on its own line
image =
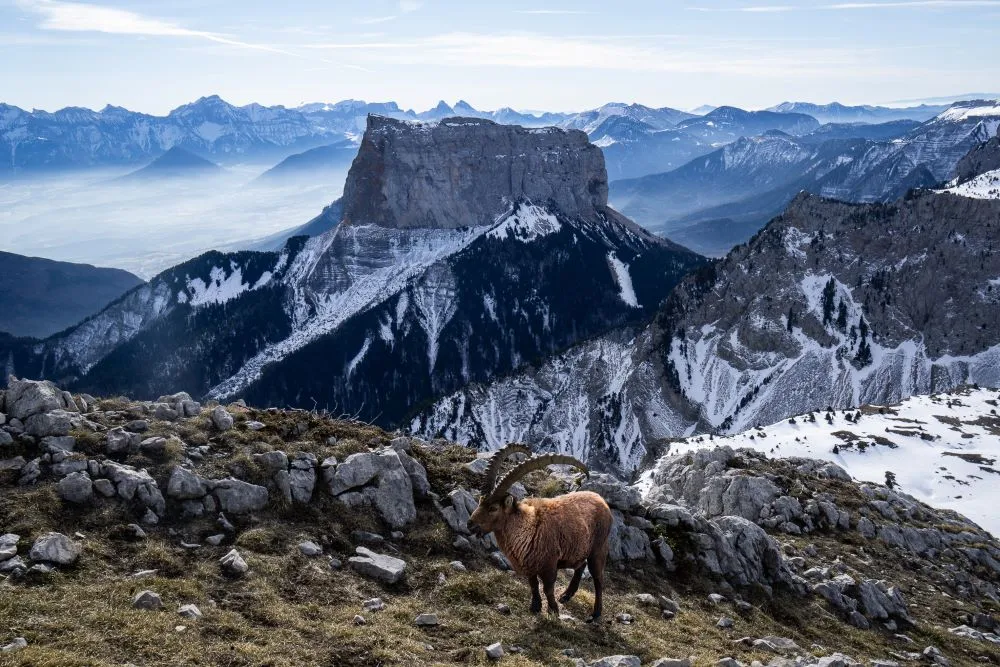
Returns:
<point x="291" y="610"/>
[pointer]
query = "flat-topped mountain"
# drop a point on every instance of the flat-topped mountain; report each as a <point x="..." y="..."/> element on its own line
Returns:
<point x="446" y="262"/>
<point x="465" y="172"/>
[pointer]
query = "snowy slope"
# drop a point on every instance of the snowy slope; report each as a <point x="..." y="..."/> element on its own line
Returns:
<point x="942" y="448"/>
<point x="984" y="186"/>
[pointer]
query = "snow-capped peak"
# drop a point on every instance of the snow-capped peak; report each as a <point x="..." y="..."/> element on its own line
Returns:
<point x="525" y="223"/>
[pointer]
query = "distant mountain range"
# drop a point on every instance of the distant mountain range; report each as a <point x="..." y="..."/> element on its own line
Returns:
<point x="40" y="297"/>
<point x="723" y="198"/>
<point x="77" y="138"/>
<point x="175" y="163"/>
<point x="839" y="113"/>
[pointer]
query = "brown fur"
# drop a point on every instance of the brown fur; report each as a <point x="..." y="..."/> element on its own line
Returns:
<point x="540" y="536"/>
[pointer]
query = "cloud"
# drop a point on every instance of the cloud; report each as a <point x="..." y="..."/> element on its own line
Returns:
<point x="407" y="6"/>
<point x="79" y="17"/>
<point x="905" y="4"/>
<point x="552" y="11"/>
<point x="374" y="20"/>
<point x="625" y="53"/>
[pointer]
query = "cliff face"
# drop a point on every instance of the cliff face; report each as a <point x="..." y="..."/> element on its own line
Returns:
<point x="465" y="172"/>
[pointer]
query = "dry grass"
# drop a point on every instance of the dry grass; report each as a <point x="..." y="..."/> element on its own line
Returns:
<point x="291" y="610"/>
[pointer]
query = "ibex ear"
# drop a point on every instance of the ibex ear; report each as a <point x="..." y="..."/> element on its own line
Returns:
<point x="508" y="502"/>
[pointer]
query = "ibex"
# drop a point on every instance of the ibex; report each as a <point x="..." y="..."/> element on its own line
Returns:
<point x="539" y="536"/>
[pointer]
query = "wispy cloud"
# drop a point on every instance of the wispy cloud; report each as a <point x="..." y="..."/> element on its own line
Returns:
<point x="842" y="6"/>
<point x="374" y="20"/>
<point x="540" y="51"/>
<point x="553" y="11"/>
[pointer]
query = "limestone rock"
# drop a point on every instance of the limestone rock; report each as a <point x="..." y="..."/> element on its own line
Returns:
<point x="221" y="419"/>
<point x="55" y="548"/>
<point x="386" y="569"/>
<point x="185" y="484"/>
<point x="76" y="488"/>
<point x="147" y="600"/>
<point x="233" y="564"/>
<point x="239" y="497"/>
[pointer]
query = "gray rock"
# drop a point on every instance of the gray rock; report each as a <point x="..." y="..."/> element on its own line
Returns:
<point x="221" y="419"/>
<point x="239" y="497"/>
<point x="15" y="464"/>
<point x="618" y="661"/>
<point x="185" y="484"/>
<point x="76" y="488"/>
<point x="16" y="645"/>
<point x="374" y="604"/>
<point x="627" y="542"/>
<point x="386" y="569"/>
<point x="866" y="528"/>
<point x="136" y="532"/>
<point x="26" y="398"/>
<point x="310" y="549"/>
<point x="13" y="565"/>
<point x="272" y="461"/>
<point x="154" y="446"/>
<point x="8" y="545"/>
<point x="394" y="499"/>
<point x="494" y="651"/>
<point x="426" y="620"/>
<point x="779" y="645"/>
<point x="617" y="494"/>
<point x="357" y="470"/>
<point x="725" y="622"/>
<point x="55" y="422"/>
<point x="302" y="477"/>
<point x="150" y="518"/>
<point x="165" y="412"/>
<point x="55" y="548"/>
<point x="137" y="426"/>
<point x="215" y="540"/>
<point x="120" y="441"/>
<point x="458" y="566"/>
<point x="416" y="471"/>
<point x="728" y="662"/>
<point x="255" y="425"/>
<point x="478" y="465"/>
<point x="30" y="472"/>
<point x="147" y="600"/>
<point x="233" y="564"/>
<point x="672" y="662"/>
<point x="58" y="443"/>
<point x="190" y="612"/>
<point x="5" y="439"/>
<point x="359" y="619"/>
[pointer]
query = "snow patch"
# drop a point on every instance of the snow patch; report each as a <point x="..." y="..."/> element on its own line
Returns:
<point x="526" y="223"/>
<point x="623" y="279"/>
<point x="984" y="186"/>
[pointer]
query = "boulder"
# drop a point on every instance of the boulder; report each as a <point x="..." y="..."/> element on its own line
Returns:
<point x="302" y="477"/>
<point x="272" y="461"/>
<point x="627" y="542"/>
<point x="76" y="488"/>
<point x="16" y="645"/>
<point x="186" y="484"/>
<point x="8" y="545"/>
<point x="221" y="419"/>
<point x="55" y="548"/>
<point x="58" y="443"/>
<point x="356" y="470"/>
<point x="617" y="494"/>
<point x="310" y="549"/>
<point x="233" y="564"/>
<point x="147" y="600"/>
<point x="119" y="441"/>
<point x="26" y="398"/>
<point x="239" y="497"/>
<point x="190" y="612"/>
<point x="426" y="620"/>
<point x="494" y="651"/>
<point x="386" y="569"/>
<point x="394" y="498"/>
<point x="617" y="661"/>
<point x="54" y="422"/>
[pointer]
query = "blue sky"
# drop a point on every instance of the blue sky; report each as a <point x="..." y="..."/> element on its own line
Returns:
<point x="155" y="55"/>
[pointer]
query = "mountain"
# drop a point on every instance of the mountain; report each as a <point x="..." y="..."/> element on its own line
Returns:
<point x="726" y="124"/>
<point x="875" y="131"/>
<point x="39" y="297"/>
<point x="175" y="163"/>
<point x="633" y="148"/>
<point x="658" y="119"/>
<point x="447" y="265"/>
<point x="74" y="138"/>
<point x="313" y="163"/>
<point x="703" y="109"/>
<point x="720" y="200"/>
<point x="839" y="113"/>
<point x="831" y="304"/>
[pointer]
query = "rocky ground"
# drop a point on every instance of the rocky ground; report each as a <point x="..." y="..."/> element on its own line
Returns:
<point x="172" y="532"/>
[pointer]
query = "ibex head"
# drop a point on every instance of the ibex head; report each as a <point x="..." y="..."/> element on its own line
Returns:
<point x="496" y="505"/>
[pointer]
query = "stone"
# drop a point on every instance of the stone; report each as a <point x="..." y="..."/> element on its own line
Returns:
<point x="359" y="619"/>
<point x="779" y="645"/>
<point x="135" y="531"/>
<point x="426" y="620"/>
<point x="185" y="484"/>
<point x="494" y="651"/>
<point x="310" y="549"/>
<point x="119" y="441"/>
<point x="627" y="542"/>
<point x="624" y="618"/>
<point x="239" y="497"/>
<point x="458" y="566"/>
<point x="615" y="492"/>
<point x="357" y="470"/>
<point x="8" y="545"/>
<point x="416" y="471"/>
<point x="56" y="422"/>
<point x="16" y="645"/>
<point x="233" y="564"/>
<point x="58" y="443"/>
<point x="866" y="528"/>
<point x="104" y="487"/>
<point x="5" y="439"/>
<point x="137" y="426"/>
<point x="374" y="604"/>
<point x="272" y="461"/>
<point x="16" y="464"/>
<point x="302" y="477"/>
<point x="254" y="425"/>
<point x="503" y="609"/>
<point x="715" y="598"/>
<point x="147" y="600"/>
<point x="221" y="419"/>
<point x="725" y="622"/>
<point x="26" y="398"/>
<point x="365" y="537"/>
<point x="76" y="488"/>
<point x="386" y="569"/>
<point x="394" y="498"/>
<point x="671" y="662"/>
<point x="215" y="540"/>
<point x="14" y="565"/>
<point x="55" y="548"/>
<point x="618" y="661"/>
<point x="150" y="518"/>
<point x="190" y="612"/>
<point x="728" y="662"/>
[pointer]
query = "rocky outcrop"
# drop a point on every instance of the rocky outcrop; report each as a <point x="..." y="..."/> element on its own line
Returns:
<point x="464" y="172"/>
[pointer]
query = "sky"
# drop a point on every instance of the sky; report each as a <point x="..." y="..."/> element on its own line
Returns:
<point x="155" y="55"/>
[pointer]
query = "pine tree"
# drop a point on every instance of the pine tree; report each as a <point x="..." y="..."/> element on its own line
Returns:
<point x="829" y="291"/>
<point x="842" y="316"/>
<point x="890" y="480"/>
<point x="791" y="319"/>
